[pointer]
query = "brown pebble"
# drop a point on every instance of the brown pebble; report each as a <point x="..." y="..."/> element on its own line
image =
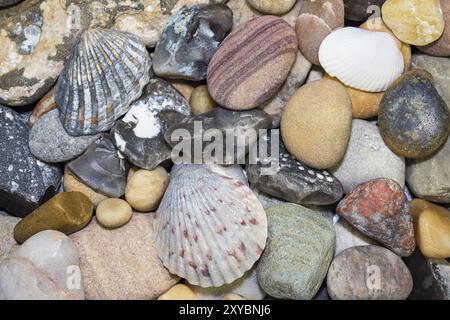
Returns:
<point x="46" y="104"/>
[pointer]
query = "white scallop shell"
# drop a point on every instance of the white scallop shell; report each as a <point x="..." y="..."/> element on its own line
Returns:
<point x="362" y="59"/>
<point x="210" y="228"/>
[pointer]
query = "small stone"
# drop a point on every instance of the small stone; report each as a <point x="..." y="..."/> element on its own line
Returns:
<point x="184" y="87"/>
<point x="220" y="122"/>
<point x="368" y="273"/>
<point x="275" y="7"/>
<point x="26" y="182"/>
<point x="297" y="76"/>
<point x="233" y="297"/>
<point x="201" y="101"/>
<point x="316" y="124"/>
<point x="190" y="40"/>
<point x="113" y="213"/>
<point x="50" y="142"/>
<point x="102" y="168"/>
<point x="317" y="19"/>
<point x="46" y="104"/>
<point x="379" y="209"/>
<point x="145" y="189"/>
<point x="291" y="180"/>
<point x="67" y="212"/>
<point x="7" y="242"/>
<point x="179" y="292"/>
<point x="414" y="120"/>
<point x="45" y="267"/>
<point x="348" y="237"/>
<point x="239" y="79"/>
<point x="432" y="227"/>
<point x="359" y="10"/>
<point x="367" y="158"/>
<point x="441" y="47"/>
<point x="298" y="252"/>
<point x="73" y="184"/>
<point x="418" y="22"/>
<point x="140" y="134"/>
<point x="122" y="263"/>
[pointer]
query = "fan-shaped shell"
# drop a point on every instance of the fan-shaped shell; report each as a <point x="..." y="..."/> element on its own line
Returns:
<point x="210" y="228"/>
<point x="362" y="59"/>
<point x="106" y="72"/>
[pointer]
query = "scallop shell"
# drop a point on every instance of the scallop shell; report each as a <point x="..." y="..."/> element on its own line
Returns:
<point x="361" y="59"/>
<point x="107" y="71"/>
<point x="210" y="228"/>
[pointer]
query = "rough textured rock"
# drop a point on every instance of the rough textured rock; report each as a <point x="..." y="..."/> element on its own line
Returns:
<point x="368" y="273"/>
<point x="140" y="134"/>
<point x="217" y="123"/>
<point x="414" y="120"/>
<point x="298" y="252"/>
<point x="7" y="224"/>
<point x="49" y="141"/>
<point x="367" y="158"/>
<point x="44" y="268"/>
<point x="441" y="47"/>
<point x="316" y="124"/>
<point x="102" y="168"/>
<point x="242" y="88"/>
<point x="430" y="178"/>
<point x="347" y="236"/>
<point x="26" y="182"/>
<point x="358" y="10"/>
<point x="190" y="40"/>
<point x="379" y="209"/>
<point x="136" y="271"/>
<point x="291" y="180"/>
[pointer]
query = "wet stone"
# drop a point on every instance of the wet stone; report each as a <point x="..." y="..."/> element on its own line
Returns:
<point x="189" y="41"/>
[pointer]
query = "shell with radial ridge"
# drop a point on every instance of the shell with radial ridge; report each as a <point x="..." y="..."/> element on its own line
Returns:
<point x="106" y="72"/>
<point x="361" y="59"/>
<point x="210" y="228"/>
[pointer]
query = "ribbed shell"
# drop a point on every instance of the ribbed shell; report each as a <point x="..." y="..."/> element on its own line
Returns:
<point x="210" y="228"/>
<point x="107" y="71"/>
<point x="365" y="60"/>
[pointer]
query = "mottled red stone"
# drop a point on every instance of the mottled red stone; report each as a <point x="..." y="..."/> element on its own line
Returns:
<point x="379" y="209"/>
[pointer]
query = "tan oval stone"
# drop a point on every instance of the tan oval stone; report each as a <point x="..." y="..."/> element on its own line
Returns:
<point x="146" y="188"/>
<point x="184" y="87"/>
<point x="232" y="296"/>
<point x="201" y="101"/>
<point x="432" y="227"/>
<point x="113" y="213"/>
<point x="316" y="123"/>
<point x="276" y="7"/>
<point x="46" y="104"/>
<point x="179" y="292"/>
<point x="73" y="184"/>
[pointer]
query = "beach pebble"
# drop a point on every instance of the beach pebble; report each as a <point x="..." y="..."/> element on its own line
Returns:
<point x="414" y="120"/>
<point x="272" y="6"/>
<point x="432" y="227"/>
<point x="233" y="297"/>
<point x="239" y="79"/>
<point x="441" y="47"/>
<point x="49" y="141"/>
<point x="201" y="101"/>
<point x="146" y="188"/>
<point x="367" y="158"/>
<point x="71" y="183"/>
<point x="414" y="22"/>
<point x="347" y="236"/>
<point x="368" y="273"/>
<point x="359" y="10"/>
<point x="122" y="263"/>
<point x="317" y="19"/>
<point x="46" y="104"/>
<point x="113" y="213"/>
<point x="316" y="124"/>
<point x="298" y="252"/>
<point x="189" y="41"/>
<point x="26" y="182"/>
<point x="379" y="209"/>
<point x="179" y="292"/>
<point x="67" y="212"/>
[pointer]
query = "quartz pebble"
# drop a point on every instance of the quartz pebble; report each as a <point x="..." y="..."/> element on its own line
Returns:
<point x="275" y="7"/>
<point x="145" y="189"/>
<point x="201" y="101"/>
<point x="368" y="273"/>
<point x="113" y="213"/>
<point x="179" y="292"/>
<point x="432" y="227"/>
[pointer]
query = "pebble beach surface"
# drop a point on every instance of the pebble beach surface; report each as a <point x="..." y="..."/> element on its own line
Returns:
<point x="225" y="150"/>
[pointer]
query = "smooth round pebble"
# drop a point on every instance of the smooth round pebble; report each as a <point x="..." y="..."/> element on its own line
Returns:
<point x="145" y="189"/>
<point x="201" y="101"/>
<point x="316" y="123"/>
<point x="113" y="213"/>
<point x="441" y="47"/>
<point x="368" y="273"/>
<point x="276" y="7"/>
<point x="179" y="292"/>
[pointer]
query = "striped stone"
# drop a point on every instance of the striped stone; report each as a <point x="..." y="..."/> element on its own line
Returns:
<point x="252" y="63"/>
